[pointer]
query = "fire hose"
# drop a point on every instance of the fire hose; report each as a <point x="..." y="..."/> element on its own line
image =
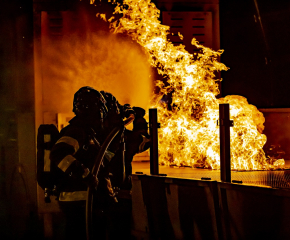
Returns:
<point x="95" y="172"/>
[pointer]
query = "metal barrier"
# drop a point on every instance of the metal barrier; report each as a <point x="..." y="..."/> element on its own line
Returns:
<point x="173" y="208"/>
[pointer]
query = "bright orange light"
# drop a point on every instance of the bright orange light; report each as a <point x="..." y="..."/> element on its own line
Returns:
<point x="189" y="134"/>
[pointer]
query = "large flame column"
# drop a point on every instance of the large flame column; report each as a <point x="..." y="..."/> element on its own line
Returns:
<point x="225" y="151"/>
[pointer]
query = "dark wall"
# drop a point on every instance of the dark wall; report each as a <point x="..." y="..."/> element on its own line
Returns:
<point x="17" y="131"/>
<point x="258" y="53"/>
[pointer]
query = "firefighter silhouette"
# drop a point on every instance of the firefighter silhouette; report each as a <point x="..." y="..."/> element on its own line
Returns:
<point x="74" y="154"/>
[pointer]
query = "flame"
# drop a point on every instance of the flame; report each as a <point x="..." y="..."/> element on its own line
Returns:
<point x="189" y="134"/>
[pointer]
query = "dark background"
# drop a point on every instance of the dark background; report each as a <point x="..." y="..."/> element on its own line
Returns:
<point x="258" y="55"/>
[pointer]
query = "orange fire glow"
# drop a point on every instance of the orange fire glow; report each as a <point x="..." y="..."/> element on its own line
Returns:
<point x="99" y="59"/>
<point x="189" y="135"/>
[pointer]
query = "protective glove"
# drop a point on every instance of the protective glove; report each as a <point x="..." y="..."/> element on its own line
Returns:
<point x="111" y="193"/>
<point x="91" y="180"/>
<point x="81" y="173"/>
<point x="127" y="110"/>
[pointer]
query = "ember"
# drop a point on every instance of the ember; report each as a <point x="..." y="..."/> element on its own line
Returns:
<point x="189" y="135"/>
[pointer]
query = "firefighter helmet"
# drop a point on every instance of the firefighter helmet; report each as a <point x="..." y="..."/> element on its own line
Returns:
<point x="88" y="102"/>
<point x="115" y="108"/>
<point x="112" y="103"/>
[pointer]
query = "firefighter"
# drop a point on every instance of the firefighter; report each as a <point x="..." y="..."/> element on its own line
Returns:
<point x="134" y="141"/>
<point x="74" y="154"/>
<point x="96" y="114"/>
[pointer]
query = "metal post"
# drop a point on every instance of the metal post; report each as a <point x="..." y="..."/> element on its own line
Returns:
<point x="225" y="153"/>
<point x="153" y="130"/>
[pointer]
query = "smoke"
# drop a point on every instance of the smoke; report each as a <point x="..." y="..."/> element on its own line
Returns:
<point x="101" y="60"/>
